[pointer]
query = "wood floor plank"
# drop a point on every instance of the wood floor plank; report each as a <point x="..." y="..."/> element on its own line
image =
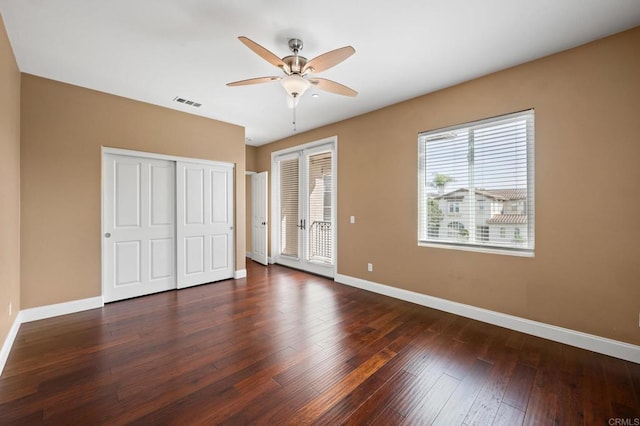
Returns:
<point x="508" y="416"/>
<point x="519" y="388"/>
<point x="460" y="402"/>
<point x="378" y="407"/>
<point x="286" y="347"/>
<point x="330" y="397"/>
<point x="543" y="400"/>
<point x="485" y="407"/>
<point x="281" y="403"/>
<point x="433" y="401"/>
<point x="343" y="409"/>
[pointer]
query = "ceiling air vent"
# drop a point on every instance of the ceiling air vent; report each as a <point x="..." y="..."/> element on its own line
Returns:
<point x="187" y="102"/>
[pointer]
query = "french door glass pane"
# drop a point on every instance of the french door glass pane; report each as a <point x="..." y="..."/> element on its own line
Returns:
<point x="289" y="219"/>
<point x="320" y="208"/>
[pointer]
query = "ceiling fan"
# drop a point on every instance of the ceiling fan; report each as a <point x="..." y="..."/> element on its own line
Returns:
<point x="298" y="69"/>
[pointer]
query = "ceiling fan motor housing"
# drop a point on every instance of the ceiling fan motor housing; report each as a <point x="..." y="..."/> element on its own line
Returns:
<point x="295" y="63"/>
<point x="295" y="45"/>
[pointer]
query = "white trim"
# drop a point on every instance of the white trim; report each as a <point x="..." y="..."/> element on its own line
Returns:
<point x="308" y="145"/>
<point x="240" y="273"/>
<point x="248" y="254"/>
<point x="477" y="248"/>
<point x="156" y="156"/>
<point x="50" y="311"/>
<point x="8" y="342"/>
<point x="567" y="336"/>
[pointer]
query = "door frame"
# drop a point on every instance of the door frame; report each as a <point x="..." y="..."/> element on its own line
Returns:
<point x="154" y="156"/>
<point x="275" y="204"/>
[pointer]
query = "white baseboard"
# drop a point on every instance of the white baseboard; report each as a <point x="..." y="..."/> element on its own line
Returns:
<point x="8" y="342"/>
<point x="240" y="273"/>
<point x="567" y="336"/>
<point x="248" y="255"/>
<point x="50" y="311"/>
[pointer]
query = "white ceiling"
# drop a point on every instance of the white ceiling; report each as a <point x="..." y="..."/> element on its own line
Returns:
<point x="156" y="50"/>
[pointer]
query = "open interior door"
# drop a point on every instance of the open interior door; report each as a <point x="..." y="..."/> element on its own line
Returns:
<point x="259" y="225"/>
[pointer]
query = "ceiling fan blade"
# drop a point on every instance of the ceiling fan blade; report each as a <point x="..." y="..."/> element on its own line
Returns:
<point x="333" y="87"/>
<point x="264" y="54"/>
<point x="328" y="60"/>
<point x="254" y="81"/>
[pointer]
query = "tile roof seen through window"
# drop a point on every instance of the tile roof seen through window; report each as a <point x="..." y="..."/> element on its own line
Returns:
<point x="498" y="194"/>
<point x="507" y="219"/>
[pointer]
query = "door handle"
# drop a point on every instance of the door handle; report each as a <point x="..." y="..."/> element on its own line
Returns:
<point x="107" y="235"/>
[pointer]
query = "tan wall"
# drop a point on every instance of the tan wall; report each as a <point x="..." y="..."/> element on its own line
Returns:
<point x="63" y="129"/>
<point x="250" y="165"/>
<point x="585" y="275"/>
<point x="9" y="185"/>
<point x="251" y="156"/>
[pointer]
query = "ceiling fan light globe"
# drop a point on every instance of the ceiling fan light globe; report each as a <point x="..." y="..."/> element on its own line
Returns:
<point x="295" y="85"/>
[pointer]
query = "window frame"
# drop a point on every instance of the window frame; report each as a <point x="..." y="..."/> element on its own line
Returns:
<point x="427" y="240"/>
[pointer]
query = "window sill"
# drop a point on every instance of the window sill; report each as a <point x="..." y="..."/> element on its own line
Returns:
<point x="489" y="250"/>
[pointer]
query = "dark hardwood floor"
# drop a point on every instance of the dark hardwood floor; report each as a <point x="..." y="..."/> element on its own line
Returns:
<point x="285" y="347"/>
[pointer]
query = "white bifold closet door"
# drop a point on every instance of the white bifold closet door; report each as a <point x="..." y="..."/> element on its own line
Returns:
<point x="139" y="226"/>
<point x="204" y="223"/>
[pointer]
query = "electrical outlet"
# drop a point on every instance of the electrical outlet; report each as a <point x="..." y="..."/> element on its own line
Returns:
<point x="370" y="267"/>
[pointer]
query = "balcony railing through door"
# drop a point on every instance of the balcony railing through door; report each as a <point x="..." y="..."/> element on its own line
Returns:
<point x="321" y="241"/>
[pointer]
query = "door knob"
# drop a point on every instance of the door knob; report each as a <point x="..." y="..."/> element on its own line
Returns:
<point x="107" y="235"/>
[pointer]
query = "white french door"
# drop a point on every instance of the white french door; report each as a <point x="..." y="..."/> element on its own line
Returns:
<point x="205" y="223"/>
<point x="259" y="229"/>
<point x="139" y="226"/>
<point x="304" y="206"/>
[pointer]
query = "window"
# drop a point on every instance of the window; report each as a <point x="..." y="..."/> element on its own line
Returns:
<point x="463" y="167"/>
<point x="482" y="233"/>
<point x="456" y="230"/>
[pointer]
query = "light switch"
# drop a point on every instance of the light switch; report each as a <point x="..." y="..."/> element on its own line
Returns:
<point x="352" y="219"/>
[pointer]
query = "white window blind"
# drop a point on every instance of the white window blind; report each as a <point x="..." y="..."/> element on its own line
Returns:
<point x="320" y="208"/>
<point x="476" y="185"/>
<point x="289" y="219"/>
